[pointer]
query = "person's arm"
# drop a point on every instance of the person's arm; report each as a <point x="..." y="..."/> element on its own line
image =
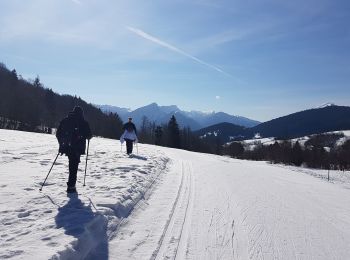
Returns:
<point x="133" y="126"/>
<point x="59" y="131"/>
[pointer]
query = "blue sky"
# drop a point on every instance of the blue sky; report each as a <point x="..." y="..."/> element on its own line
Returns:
<point x="259" y="58"/>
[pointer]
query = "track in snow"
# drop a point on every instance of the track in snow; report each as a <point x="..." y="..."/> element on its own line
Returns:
<point x="173" y="242"/>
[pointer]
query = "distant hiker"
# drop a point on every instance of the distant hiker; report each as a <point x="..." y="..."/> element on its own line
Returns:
<point x="129" y="135"/>
<point x="71" y="135"/>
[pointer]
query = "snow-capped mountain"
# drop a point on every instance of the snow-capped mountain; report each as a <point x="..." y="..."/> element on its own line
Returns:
<point x="120" y="111"/>
<point x="328" y="104"/>
<point x="213" y="118"/>
<point x="194" y="119"/>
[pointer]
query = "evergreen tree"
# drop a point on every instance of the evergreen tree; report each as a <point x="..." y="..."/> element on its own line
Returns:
<point x="36" y="82"/>
<point x="173" y="133"/>
<point x="235" y="149"/>
<point x="297" y="154"/>
<point x="158" y="135"/>
<point x="144" y="132"/>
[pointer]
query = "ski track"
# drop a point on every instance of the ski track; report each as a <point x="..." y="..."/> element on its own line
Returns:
<point x="173" y="241"/>
<point x="165" y="204"/>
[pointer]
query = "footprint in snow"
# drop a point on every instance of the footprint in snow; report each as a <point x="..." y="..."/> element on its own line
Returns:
<point x="23" y="214"/>
<point x="52" y="244"/>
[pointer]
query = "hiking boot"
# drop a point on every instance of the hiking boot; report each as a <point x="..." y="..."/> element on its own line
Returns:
<point x="71" y="190"/>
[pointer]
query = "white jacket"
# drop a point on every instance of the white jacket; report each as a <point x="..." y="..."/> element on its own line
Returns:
<point x="129" y="135"/>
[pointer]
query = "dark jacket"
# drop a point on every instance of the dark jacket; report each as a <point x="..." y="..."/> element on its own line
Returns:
<point x="72" y="133"/>
<point x="129" y="126"/>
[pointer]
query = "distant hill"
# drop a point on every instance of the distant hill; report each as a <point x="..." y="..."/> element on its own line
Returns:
<point x="208" y="119"/>
<point x="223" y="132"/>
<point x="312" y="121"/>
<point x="193" y="119"/>
<point x="113" y="109"/>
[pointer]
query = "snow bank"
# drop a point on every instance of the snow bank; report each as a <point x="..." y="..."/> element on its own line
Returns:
<point x="49" y="224"/>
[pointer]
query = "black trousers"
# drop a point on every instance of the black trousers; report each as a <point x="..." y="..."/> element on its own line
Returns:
<point x="129" y="145"/>
<point x="74" y="160"/>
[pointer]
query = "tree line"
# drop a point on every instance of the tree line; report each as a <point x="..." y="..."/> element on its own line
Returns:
<point x="29" y="106"/>
<point x="320" y="151"/>
<point x="171" y="135"/>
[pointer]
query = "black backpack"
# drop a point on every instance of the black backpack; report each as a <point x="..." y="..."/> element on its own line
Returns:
<point x="129" y="128"/>
<point x="69" y="137"/>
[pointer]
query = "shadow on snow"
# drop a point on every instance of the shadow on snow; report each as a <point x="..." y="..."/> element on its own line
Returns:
<point x="89" y="228"/>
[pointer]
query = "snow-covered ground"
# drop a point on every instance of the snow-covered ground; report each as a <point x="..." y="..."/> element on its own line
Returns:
<point x="250" y="144"/>
<point x="165" y="204"/>
<point x="38" y="225"/>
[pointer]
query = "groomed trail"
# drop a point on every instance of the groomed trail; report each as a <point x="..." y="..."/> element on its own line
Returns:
<point x="211" y="207"/>
<point x="165" y="204"/>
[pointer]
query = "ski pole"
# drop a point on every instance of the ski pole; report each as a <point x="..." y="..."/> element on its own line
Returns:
<point x="87" y="155"/>
<point x="49" y="172"/>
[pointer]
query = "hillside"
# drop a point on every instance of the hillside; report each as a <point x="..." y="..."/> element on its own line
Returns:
<point x="223" y="132"/>
<point x="28" y="105"/>
<point x="313" y="121"/>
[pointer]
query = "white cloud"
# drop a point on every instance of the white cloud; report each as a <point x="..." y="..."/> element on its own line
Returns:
<point x="217" y="97"/>
<point x="173" y="48"/>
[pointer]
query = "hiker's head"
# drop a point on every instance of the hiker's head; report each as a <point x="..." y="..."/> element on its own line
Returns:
<point x="130" y="119"/>
<point x="78" y="111"/>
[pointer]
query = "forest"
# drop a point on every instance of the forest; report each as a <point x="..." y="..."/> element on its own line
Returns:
<point x="28" y="105"/>
<point x="321" y="151"/>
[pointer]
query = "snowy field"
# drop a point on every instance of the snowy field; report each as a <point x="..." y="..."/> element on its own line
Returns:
<point x="250" y="144"/>
<point x="165" y="204"/>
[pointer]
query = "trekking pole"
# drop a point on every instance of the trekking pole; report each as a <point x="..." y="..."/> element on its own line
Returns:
<point x="49" y="172"/>
<point x="87" y="155"/>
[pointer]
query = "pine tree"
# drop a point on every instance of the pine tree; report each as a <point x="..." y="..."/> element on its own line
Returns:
<point x="173" y="133"/>
<point x="297" y="154"/>
<point x="158" y="135"/>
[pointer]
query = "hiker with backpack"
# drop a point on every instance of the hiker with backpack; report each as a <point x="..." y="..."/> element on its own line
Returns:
<point x="129" y="135"/>
<point x="72" y="133"/>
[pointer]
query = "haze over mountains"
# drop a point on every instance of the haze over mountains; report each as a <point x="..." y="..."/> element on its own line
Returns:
<point x="194" y="119"/>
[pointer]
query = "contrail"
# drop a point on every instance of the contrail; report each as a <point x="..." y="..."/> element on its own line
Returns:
<point x="173" y="48"/>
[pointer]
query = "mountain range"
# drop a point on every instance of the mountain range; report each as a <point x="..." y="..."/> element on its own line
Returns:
<point x="193" y="119"/>
<point x="312" y="121"/>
